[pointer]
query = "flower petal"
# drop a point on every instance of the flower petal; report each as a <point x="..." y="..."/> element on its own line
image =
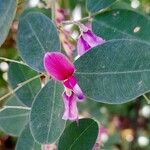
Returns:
<point x="71" y="110"/>
<point x="72" y="84"/>
<point x="82" y="46"/>
<point x="92" y="39"/>
<point x="58" y="65"/>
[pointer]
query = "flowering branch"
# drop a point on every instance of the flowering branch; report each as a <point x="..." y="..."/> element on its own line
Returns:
<point x="67" y="22"/>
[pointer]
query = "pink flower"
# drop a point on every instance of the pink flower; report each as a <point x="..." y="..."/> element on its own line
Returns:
<point x="87" y="40"/>
<point x="49" y="147"/>
<point x="102" y="138"/>
<point x="71" y="83"/>
<point x="61" y="14"/>
<point x="46" y="147"/>
<point x="59" y="67"/>
<point x="71" y="110"/>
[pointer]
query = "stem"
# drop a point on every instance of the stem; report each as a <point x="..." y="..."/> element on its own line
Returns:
<point x="20" y="2"/>
<point x="53" y="8"/>
<point x="146" y="98"/>
<point x="67" y="22"/>
<point x="17" y="107"/>
<point x="11" y="60"/>
<point x="20" y="85"/>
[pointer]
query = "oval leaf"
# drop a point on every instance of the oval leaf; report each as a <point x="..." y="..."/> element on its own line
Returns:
<point x="96" y="5"/>
<point x="14" y="101"/>
<point x="115" y="72"/>
<point x="79" y="136"/>
<point x="19" y="73"/>
<point x="46" y="115"/>
<point x="13" y="119"/>
<point x="119" y="24"/>
<point x="7" y="14"/>
<point x="26" y="141"/>
<point x="36" y="35"/>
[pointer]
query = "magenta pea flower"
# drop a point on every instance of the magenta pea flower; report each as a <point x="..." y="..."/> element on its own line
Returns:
<point x="87" y="40"/>
<point x="59" y="67"/>
<point x="70" y="103"/>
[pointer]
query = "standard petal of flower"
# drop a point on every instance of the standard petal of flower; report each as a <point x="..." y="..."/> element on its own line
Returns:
<point x="72" y="84"/>
<point x="92" y="39"/>
<point x="58" y="66"/>
<point x="71" y="110"/>
<point x="82" y="46"/>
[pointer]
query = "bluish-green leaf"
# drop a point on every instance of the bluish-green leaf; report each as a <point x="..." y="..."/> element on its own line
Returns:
<point x="13" y="119"/>
<point x="46" y="115"/>
<point x="123" y="4"/>
<point x="115" y="72"/>
<point x="19" y="73"/>
<point x="36" y="35"/>
<point x="26" y="141"/>
<point x="119" y="24"/>
<point x="7" y="14"/>
<point x="45" y="11"/>
<point x="80" y="136"/>
<point x="96" y="5"/>
<point x="14" y="101"/>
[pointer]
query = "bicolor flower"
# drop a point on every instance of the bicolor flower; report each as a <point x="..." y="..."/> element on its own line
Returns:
<point x="59" y="67"/>
<point x="87" y="40"/>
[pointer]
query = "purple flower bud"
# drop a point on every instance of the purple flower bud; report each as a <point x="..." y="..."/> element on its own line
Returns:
<point x="58" y="66"/>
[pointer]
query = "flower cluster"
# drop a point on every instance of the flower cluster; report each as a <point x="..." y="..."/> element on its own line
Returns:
<point x="60" y="68"/>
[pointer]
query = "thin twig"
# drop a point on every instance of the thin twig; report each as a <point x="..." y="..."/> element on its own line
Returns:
<point x="67" y="22"/>
<point x="20" y="85"/>
<point x="15" y="107"/>
<point x="146" y="98"/>
<point x="53" y="8"/>
<point x="11" y="60"/>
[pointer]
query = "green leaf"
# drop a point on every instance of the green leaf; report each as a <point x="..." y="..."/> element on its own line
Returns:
<point x="45" y="11"/>
<point x="123" y="4"/>
<point x="13" y="119"/>
<point x="19" y="73"/>
<point x="36" y="35"/>
<point x="119" y="24"/>
<point x="80" y="136"/>
<point x="14" y="101"/>
<point x="46" y="115"/>
<point x="115" y="72"/>
<point x="26" y="141"/>
<point x="7" y="14"/>
<point x="96" y="5"/>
